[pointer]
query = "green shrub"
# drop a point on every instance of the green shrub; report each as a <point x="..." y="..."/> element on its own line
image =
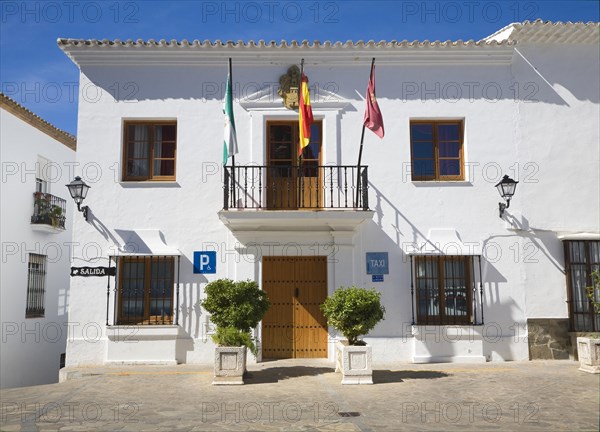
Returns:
<point x="235" y="307"/>
<point x="353" y="311"/>
<point x="232" y="337"/>
<point x="593" y="292"/>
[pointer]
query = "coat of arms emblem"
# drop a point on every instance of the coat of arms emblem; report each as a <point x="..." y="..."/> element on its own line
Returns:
<point x="288" y="87"/>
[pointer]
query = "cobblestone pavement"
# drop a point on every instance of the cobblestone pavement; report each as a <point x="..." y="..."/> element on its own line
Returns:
<point x="300" y="395"/>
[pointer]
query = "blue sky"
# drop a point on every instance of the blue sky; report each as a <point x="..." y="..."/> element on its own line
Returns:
<point x="35" y="73"/>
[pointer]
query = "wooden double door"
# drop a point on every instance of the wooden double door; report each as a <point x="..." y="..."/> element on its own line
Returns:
<point x="294" y="326"/>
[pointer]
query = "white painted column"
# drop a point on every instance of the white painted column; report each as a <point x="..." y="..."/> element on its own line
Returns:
<point x="343" y="259"/>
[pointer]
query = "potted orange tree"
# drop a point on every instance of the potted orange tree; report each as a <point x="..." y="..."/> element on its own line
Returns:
<point x="354" y="312"/>
<point x="236" y="308"/>
<point x="588" y="348"/>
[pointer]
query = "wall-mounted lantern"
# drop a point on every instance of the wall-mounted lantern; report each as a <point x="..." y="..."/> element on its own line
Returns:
<point x="78" y="190"/>
<point x="506" y="187"/>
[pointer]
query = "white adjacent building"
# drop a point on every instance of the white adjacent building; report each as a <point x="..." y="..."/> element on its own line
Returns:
<point x="36" y="242"/>
<point x="418" y="220"/>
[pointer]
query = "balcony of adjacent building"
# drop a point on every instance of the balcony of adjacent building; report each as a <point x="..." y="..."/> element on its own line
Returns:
<point x="48" y="213"/>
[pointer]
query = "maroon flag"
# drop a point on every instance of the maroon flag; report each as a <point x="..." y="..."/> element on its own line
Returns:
<point x="373" y="117"/>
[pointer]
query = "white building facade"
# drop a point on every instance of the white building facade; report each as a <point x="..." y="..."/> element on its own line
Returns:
<point x="36" y="243"/>
<point x="418" y="220"/>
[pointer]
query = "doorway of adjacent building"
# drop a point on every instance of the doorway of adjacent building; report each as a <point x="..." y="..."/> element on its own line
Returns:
<point x="293" y="183"/>
<point x="294" y="326"/>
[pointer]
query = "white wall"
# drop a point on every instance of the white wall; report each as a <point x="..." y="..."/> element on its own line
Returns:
<point x="31" y="347"/>
<point x="522" y="269"/>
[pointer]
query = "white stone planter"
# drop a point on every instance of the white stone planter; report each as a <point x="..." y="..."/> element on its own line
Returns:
<point x="588" y="350"/>
<point x="354" y="362"/>
<point x="230" y="365"/>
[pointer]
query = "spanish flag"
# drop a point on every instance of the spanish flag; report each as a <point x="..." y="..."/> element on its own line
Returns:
<point x="305" y="114"/>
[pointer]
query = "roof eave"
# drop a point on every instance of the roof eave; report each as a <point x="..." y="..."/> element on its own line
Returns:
<point x="39" y="123"/>
<point x="90" y="53"/>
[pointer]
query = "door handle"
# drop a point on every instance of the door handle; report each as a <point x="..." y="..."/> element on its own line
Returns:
<point x="296" y="293"/>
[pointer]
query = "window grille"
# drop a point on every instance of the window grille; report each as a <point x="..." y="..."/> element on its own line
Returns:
<point x="36" y="280"/>
<point x="145" y="290"/>
<point x="446" y="290"/>
<point x="581" y="259"/>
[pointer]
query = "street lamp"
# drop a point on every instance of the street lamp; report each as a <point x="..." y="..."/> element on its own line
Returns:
<point x="78" y="190"/>
<point x="506" y="187"/>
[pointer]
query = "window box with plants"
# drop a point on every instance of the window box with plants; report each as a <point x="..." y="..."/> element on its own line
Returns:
<point x="588" y="348"/>
<point x="236" y="308"/>
<point x="354" y="312"/>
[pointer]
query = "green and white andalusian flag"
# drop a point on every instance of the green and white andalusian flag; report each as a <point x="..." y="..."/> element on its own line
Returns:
<point x="230" y="146"/>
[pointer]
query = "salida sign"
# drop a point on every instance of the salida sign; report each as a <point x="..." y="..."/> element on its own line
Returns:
<point x="93" y="271"/>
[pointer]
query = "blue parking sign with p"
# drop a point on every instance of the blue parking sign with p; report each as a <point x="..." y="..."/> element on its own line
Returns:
<point x="205" y="262"/>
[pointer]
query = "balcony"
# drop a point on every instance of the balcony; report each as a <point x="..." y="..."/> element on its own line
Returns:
<point x="293" y="187"/>
<point x="48" y="212"/>
<point x="306" y="197"/>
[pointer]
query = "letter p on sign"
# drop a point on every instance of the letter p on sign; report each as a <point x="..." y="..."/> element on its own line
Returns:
<point x="205" y="262"/>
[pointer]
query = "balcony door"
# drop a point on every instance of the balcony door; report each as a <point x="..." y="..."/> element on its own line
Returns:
<point x="292" y="183"/>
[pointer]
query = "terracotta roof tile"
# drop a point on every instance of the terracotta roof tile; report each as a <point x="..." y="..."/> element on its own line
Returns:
<point x="26" y="115"/>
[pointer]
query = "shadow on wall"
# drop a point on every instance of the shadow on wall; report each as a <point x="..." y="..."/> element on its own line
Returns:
<point x="380" y="199"/>
<point x="191" y="317"/>
<point x="189" y="313"/>
<point x="101" y="228"/>
<point x="552" y="70"/>
<point x="543" y="77"/>
<point x="396" y="297"/>
<point x="502" y="315"/>
<point x="545" y="241"/>
<point x="195" y="325"/>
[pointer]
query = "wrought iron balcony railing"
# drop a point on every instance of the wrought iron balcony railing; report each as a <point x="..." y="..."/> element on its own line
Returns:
<point x="48" y="210"/>
<point x="296" y="187"/>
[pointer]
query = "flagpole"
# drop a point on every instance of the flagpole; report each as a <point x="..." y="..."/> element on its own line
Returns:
<point x="300" y="92"/>
<point x="300" y="189"/>
<point x="233" y="155"/>
<point x="362" y="139"/>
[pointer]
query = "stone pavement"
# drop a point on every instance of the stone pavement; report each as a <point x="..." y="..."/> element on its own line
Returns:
<point x="306" y="395"/>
